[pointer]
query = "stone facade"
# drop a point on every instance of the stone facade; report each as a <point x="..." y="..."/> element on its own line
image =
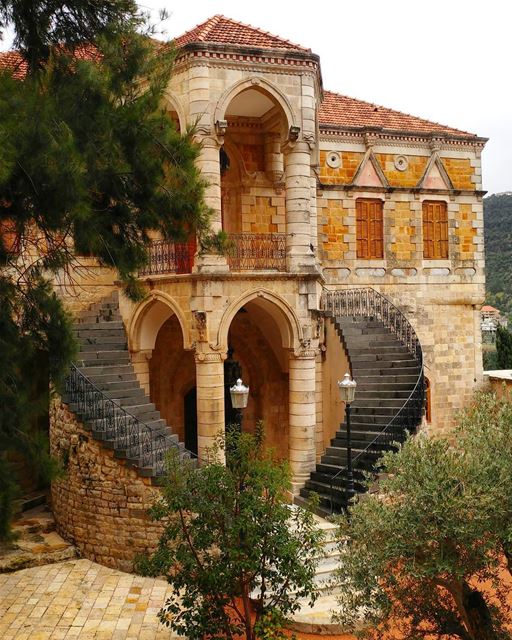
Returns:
<point x="282" y="156"/>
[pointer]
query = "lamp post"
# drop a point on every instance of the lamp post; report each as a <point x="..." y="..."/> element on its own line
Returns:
<point x="347" y="389"/>
<point x="239" y="396"/>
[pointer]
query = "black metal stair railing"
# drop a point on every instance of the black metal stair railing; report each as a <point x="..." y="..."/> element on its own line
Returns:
<point x="125" y="431"/>
<point x="370" y="303"/>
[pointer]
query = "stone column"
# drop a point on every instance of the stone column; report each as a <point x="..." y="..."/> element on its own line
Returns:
<point x="210" y="399"/>
<point x="209" y="165"/>
<point x="299" y="255"/>
<point x="302" y="416"/>
<point x="319" y="429"/>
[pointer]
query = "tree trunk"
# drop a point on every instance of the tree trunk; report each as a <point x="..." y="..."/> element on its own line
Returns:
<point x="478" y="616"/>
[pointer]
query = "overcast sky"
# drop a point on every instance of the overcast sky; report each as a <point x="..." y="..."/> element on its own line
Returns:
<point x="444" y="60"/>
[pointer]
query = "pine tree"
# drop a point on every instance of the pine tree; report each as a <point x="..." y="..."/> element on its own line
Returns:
<point x="90" y="163"/>
<point x="504" y="348"/>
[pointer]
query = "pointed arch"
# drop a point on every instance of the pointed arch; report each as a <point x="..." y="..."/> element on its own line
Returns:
<point x="172" y="101"/>
<point x="149" y="316"/>
<point x="257" y="83"/>
<point x="278" y="309"/>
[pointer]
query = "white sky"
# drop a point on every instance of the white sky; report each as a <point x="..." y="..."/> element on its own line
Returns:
<point x="444" y="60"/>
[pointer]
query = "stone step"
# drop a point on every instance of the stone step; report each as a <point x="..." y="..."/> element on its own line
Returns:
<point x="365" y="394"/>
<point x="86" y="348"/>
<point x="362" y="330"/>
<point x="407" y="378"/>
<point x="116" y="336"/>
<point x="362" y="365"/>
<point x="124" y="393"/>
<point x="104" y="358"/>
<point x="382" y="401"/>
<point x="377" y="356"/>
<point x="102" y="372"/>
<point x="112" y="385"/>
<point x="375" y="410"/>
<point x="94" y="327"/>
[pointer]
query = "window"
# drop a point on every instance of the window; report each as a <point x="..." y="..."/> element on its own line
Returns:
<point x="369" y="228"/>
<point x="435" y="230"/>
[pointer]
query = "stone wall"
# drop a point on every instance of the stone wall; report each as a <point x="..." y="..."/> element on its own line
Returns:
<point x="100" y="505"/>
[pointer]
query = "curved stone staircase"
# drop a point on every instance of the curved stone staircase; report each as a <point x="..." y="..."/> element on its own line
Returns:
<point x="103" y="392"/>
<point x="386" y="361"/>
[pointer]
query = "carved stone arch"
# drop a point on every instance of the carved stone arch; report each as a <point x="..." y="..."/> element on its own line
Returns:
<point x="171" y="100"/>
<point x="258" y="83"/>
<point x="148" y="318"/>
<point x="277" y="307"/>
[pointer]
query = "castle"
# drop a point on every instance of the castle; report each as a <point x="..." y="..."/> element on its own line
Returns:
<point x="355" y="243"/>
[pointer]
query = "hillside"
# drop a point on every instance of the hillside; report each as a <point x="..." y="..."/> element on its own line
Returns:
<point x="498" y="250"/>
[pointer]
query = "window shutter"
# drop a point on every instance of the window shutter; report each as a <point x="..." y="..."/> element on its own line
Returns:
<point x="435" y="230"/>
<point x="369" y="228"/>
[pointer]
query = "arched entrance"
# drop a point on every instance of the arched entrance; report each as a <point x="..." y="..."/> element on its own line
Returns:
<point x="172" y="382"/>
<point x="255" y="339"/>
<point x="252" y="166"/>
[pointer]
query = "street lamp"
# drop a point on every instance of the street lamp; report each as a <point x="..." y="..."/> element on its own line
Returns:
<point x="239" y="396"/>
<point x="347" y="389"/>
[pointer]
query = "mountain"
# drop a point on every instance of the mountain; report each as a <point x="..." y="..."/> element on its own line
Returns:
<point x="498" y="250"/>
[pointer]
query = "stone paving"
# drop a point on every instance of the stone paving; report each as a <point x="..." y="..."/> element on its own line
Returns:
<point x="80" y="599"/>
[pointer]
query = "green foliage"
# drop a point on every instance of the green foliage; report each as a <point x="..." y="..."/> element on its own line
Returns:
<point x="419" y="550"/>
<point x="503" y="348"/>
<point x="90" y="164"/>
<point x="229" y="531"/>
<point x="490" y="360"/>
<point x="498" y="251"/>
<point x="219" y="243"/>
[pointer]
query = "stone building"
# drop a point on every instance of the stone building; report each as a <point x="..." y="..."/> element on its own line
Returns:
<point x="356" y="242"/>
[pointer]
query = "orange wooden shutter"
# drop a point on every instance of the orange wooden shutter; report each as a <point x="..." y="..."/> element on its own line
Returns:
<point x="369" y="228"/>
<point x="435" y="230"/>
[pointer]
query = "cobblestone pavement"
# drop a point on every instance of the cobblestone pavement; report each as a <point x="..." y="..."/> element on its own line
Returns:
<point x="80" y="599"/>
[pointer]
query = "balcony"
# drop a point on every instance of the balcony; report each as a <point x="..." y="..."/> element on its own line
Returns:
<point x="257" y="252"/>
<point x="247" y="252"/>
<point x="169" y="257"/>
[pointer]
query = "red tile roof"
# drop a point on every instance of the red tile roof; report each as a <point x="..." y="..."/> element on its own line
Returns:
<point x="12" y="61"/>
<point x="342" y="111"/>
<point x="222" y="30"/>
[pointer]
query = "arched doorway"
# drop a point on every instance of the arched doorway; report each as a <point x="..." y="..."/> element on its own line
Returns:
<point x="255" y="341"/>
<point x="172" y="382"/>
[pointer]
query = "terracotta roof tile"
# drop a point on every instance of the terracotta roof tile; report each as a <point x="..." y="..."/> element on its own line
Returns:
<point x="14" y="62"/>
<point x="222" y="30"/>
<point x="342" y="111"/>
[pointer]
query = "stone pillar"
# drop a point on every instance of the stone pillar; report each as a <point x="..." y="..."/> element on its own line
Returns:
<point x="210" y="399"/>
<point x="209" y="165"/>
<point x="319" y="430"/>
<point x="299" y="255"/>
<point x="302" y="416"/>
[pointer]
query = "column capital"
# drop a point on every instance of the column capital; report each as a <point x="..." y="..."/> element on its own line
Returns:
<point x="304" y="353"/>
<point x="202" y="357"/>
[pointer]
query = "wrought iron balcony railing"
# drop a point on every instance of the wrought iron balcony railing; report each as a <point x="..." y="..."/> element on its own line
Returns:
<point x="257" y="251"/>
<point x="246" y="252"/>
<point x="169" y="257"/>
